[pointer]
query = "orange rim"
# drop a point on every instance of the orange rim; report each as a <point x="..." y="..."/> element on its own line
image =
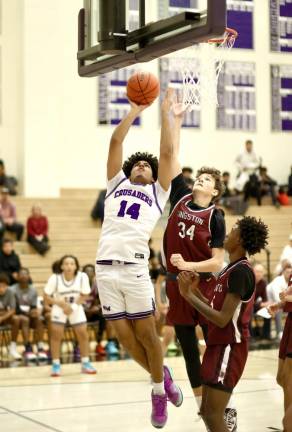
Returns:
<point x="231" y="33"/>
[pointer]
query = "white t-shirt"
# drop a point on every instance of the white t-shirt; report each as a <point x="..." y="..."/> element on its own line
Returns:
<point x="69" y="291"/>
<point x="130" y="214"/>
<point x="274" y="288"/>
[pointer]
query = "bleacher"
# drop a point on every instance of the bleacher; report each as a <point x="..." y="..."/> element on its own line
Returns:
<point x="72" y="230"/>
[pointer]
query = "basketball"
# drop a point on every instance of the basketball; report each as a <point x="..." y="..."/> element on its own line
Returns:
<point x="143" y="88"/>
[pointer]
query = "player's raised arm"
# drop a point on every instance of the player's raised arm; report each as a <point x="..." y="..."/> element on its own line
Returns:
<point x="115" y="153"/>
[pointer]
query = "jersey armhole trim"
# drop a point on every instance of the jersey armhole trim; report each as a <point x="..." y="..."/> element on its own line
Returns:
<point x="125" y="178"/>
<point x="155" y="197"/>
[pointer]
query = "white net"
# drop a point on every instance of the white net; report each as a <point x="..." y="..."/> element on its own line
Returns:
<point x="202" y="82"/>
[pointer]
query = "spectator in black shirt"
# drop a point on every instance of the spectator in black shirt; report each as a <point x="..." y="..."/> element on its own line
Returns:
<point x="9" y="261"/>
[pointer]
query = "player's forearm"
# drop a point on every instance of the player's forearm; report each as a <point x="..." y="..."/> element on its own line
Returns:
<point x="52" y="301"/>
<point x="210" y="265"/>
<point x="82" y="299"/>
<point x="7" y="315"/>
<point x="122" y="129"/>
<point x="216" y="317"/>
<point x="166" y="140"/>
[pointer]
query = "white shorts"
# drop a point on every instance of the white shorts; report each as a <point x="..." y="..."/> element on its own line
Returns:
<point x="75" y="318"/>
<point x="125" y="291"/>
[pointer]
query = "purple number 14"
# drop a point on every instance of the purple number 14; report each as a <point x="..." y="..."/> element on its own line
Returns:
<point x="133" y="210"/>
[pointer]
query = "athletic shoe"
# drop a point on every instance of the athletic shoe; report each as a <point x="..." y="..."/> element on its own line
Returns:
<point x="42" y="355"/>
<point x="14" y="353"/>
<point x="159" y="410"/>
<point x="173" y="392"/>
<point x="230" y="417"/>
<point x="29" y="355"/>
<point x="56" y="370"/>
<point x="100" y="351"/>
<point x="112" y="349"/>
<point x="87" y="368"/>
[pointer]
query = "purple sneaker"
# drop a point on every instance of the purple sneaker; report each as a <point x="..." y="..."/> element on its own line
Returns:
<point x="159" y="410"/>
<point x="173" y="392"/>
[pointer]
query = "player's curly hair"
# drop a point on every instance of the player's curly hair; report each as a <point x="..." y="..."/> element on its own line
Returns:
<point x="136" y="157"/>
<point x="216" y="174"/>
<point x="254" y="234"/>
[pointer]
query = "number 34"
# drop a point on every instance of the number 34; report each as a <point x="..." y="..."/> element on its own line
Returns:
<point x="183" y="232"/>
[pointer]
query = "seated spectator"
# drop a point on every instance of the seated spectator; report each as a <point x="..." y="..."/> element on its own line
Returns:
<point x="92" y="308"/>
<point x="230" y="200"/>
<point x="7" y="182"/>
<point x="9" y="261"/>
<point x="27" y="316"/>
<point x="66" y="292"/>
<point x="7" y="301"/>
<point x="282" y="197"/>
<point x="285" y="257"/>
<point x="247" y="164"/>
<point x="277" y="285"/>
<point x="97" y="213"/>
<point x="267" y="186"/>
<point x="261" y="300"/>
<point x="8" y="216"/>
<point x="290" y="183"/>
<point x="37" y="230"/>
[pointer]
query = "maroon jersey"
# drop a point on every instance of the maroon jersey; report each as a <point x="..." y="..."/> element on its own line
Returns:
<point x="288" y="305"/>
<point x="237" y="328"/>
<point x="188" y="233"/>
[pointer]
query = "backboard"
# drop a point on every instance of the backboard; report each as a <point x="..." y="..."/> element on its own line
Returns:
<point x="113" y="34"/>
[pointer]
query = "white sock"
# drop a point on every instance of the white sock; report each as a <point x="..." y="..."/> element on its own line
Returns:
<point x="158" y="388"/>
<point x="84" y="359"/>
<point x="13" y="345"/>
<point x="199" y="401"/>
<point x="231" y="403"/>
<point x="56" y="361"/>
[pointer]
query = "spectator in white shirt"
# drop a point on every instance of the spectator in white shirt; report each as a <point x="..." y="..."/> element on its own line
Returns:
<point x="247" y="164"/>
<point x="286" y="256"/>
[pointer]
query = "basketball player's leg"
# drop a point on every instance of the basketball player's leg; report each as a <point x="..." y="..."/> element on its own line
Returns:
<point x="57" y="333"/>
<point x="287" y="421"/>
<point x="126" y="335"/>
<point x="280" y="372"/>
<point x="287" y="379"/>
<point x="214" y="403"/>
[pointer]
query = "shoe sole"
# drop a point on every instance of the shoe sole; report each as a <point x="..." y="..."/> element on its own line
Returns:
<point x="158" y="426"/>
<point x="55" y="375"/>
<point x="89" y="373"/>
<point x="181" y="393"/>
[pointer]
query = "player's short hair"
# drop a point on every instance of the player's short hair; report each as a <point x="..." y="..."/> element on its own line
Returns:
<point x="254" y="234"/>
<point x="72" y="257"/>
<point x="4" y="279"/>
<point x="216" y="174"/>
<point x="136" y="157"/>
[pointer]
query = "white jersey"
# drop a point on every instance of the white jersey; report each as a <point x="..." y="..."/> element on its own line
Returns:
<point x="69" y="291"/>
<point x="130" y="214"/>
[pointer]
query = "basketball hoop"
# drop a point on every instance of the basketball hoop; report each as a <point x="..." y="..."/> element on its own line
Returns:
<point x="204" y="81"/>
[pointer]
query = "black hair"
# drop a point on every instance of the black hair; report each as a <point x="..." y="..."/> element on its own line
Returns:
<point x="56" y="267"/>
<point x="253" y="233"/>
<point x="187" y="169"/>
<point x="86" y="266"/>
<point x="69" y="256"/>
<point x="4" y="279"/>
<point x="136" y="157"/>
<point x="225" y="173"/>
<point x="25" y="269"/>
<point x="6" y="240"/>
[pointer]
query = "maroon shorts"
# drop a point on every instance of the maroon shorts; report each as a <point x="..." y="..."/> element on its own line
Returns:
<point x="285" y="349"/>
<point x="223" y="365"/>
<point x="180" y="311"/>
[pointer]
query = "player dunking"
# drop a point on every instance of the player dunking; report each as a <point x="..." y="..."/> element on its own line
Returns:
<point x="228" y="319"/>
<point x="193" y="240"/>
<point x="284" y="375"/>
<point x="136" y="195"/>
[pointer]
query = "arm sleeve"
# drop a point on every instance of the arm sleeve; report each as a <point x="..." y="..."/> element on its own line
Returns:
<point x="51" y="285"/>
<point x="112" y="183"/>
<point x="85" y="287"/>
<point x="178" y="190"/>
<point x="241" y="281"/>
<point x="218" y="229"/>
<point x="30" y="227"/>
<point x="12" y="300"/>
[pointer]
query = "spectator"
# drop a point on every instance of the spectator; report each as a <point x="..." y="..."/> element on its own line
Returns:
<point x="187" y="172"/>
<point x="290" y="183"/>
<point x="27" y="316"/>
<point x="7" y="182"/>
<point x="260" y="301"/>
<point x="274" y="288"/>
<point x="66" y="292"/>
<point x="9" y="261"/>
<point x="247" y="164"/>
<point x="92" y="308"/>
<point x="8" y="215"/>
<point x="37" y="230"/>
<point x="282" y="197"/>
<point x="7" y="301"/>
<point x="285" y="257"/>
<point x="267" y="186"/>
<point x="229" y="199"/>
<point x="97" y="213"/>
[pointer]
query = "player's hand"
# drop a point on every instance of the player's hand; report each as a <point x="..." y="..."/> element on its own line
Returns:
<point x="185" y="280"/>
<point x="137" y="109"/>
<point x="178" y="261"/>
<point x="168" y="100"/>
<point x="67" y="309"/>
<point x="162" y="308"/>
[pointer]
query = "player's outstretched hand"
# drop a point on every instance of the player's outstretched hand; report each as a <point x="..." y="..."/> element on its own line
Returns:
<point x="168" y="100"/>
<point x="137" y="108"/>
